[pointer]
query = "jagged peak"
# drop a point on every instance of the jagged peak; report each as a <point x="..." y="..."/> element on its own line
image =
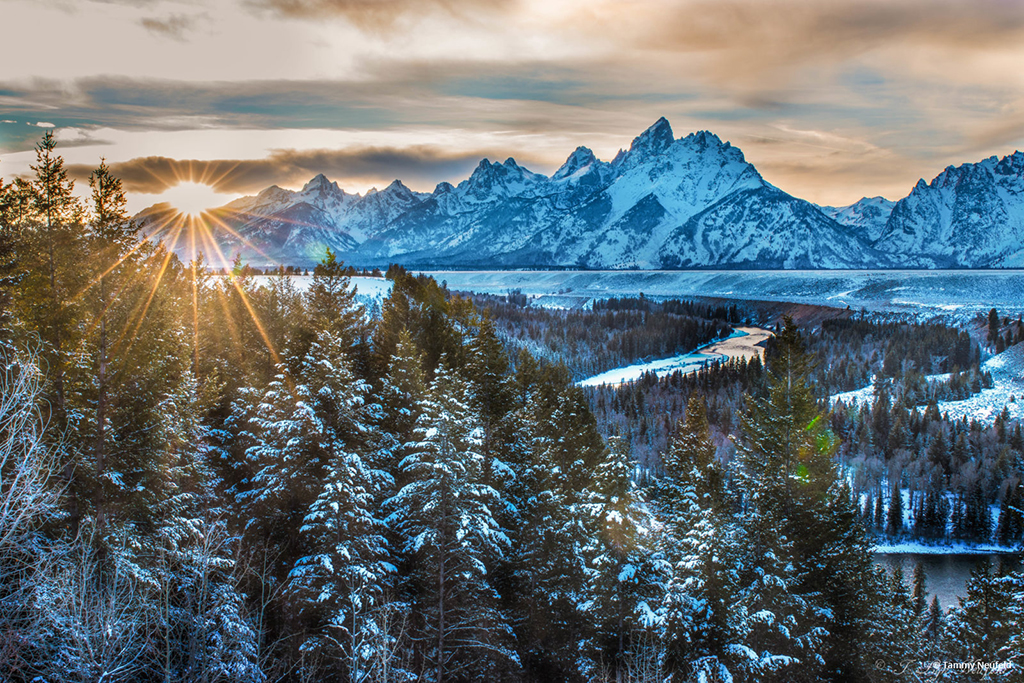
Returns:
<point x="443" y="187"/>
<point x="581" y="156"/>
<point x="320" y="182"/>
<point x="656" y="139"/>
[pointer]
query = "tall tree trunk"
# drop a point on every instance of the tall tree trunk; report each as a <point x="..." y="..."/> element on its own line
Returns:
<point x="441" y="587"/>
<point x="101" y="410"/>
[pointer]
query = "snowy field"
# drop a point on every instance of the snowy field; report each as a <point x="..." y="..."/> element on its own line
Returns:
<point x="917" y="292"/>
<point x="1007" y="391"/>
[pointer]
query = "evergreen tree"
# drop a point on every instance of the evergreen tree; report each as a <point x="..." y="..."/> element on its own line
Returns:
<point x="333" y="308"/>
<point x="446" y="517"/>
<point x="624" y="578"/>
<point x="801" y="521"/>
<point x="552" y="531"/>
<point x="701" y="540"/>
<point x="335" y="588"/>
<point x="983" y="627"/>
<point x="919" y="594"/>
<point x="1010" y="529"/>
<point x="893" y="638"/>
<point x="51" y="245"/>
<point x="935" y="623"/>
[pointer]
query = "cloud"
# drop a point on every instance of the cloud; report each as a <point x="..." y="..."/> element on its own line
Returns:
<point x="743" y="41"/>
<point x="421" y="166"/>
<point x="174" y="26"/>
<point x="42" y="124"/>
<point x="377" y="14"/>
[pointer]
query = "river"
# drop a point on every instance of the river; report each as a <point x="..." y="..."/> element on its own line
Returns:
<point x="946" y="575"/>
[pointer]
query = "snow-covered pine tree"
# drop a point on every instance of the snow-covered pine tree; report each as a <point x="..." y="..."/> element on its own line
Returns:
<point x="445" y="516"/>
<point x="341" y="579"/>
<point x="893" y="636"/>
<point x="700" y="543"/>
<point x="808" y="549"/>
<point x="934" y="625"/>
<point x="626" y="576"/>
<point x="332" y="306"/>
<point x="985" y="627"/>
<point x="550" y="538"/>
<point x="919" y="592"/>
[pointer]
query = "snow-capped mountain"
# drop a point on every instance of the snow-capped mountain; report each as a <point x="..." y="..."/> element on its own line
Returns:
<point x="666" y="202"/>
<point x="283" y="226"/>
<point x="866" y="217"/>
<point x="969" y="216"/>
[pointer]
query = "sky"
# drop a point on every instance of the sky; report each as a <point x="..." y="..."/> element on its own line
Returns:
<point x="831" y="100"/>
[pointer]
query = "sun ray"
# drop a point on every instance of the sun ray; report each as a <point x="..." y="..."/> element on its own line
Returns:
<point x="252" y="312"/>
<point x="227" y="228"/>
<point x="125" y="284"/>
<point x="138" y="245"/>
<point x="195" y="304"/>
<point x="152" y="293"/>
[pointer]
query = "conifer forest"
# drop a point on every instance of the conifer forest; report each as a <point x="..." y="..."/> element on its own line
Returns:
<point x="225" y="477"/>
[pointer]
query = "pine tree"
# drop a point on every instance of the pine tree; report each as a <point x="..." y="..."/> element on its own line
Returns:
<point x="919" y="595"/>
<point x="1010" y="529"/>
<point x="550" y="539"/>
<point x="342" y="579"/>
<point x="551" y="530"/>
<point x="624" y="579"/>
<point x="893" y="637"/>
<point x="894" y="516"/>
<point x="446" y="517"/>
<point x="113" y="238"/>
<point x="983" y="626"/>
<point x="698" y="597"/>
<point x="935" y="623"/>
<point x="803" y="529"/>
<point x="332" y="305"/>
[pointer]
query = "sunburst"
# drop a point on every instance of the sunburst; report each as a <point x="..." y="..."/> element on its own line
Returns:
<point x="193" y="198"/>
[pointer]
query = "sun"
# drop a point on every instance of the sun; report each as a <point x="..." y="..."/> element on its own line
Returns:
<point x="193" y="198"/>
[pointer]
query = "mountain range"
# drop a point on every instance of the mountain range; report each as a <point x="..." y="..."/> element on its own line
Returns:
<point x="666" y="202"/>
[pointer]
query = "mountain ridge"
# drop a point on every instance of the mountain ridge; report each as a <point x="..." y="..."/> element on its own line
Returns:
<point x="665" y="202"/>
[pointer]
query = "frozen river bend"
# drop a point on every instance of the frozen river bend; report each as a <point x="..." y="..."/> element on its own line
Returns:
<point x="908" y="291"/>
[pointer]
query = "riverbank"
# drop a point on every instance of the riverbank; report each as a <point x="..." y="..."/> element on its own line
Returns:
<point x="745" y="342"/>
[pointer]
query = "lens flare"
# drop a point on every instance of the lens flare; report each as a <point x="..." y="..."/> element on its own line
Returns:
<point x="193" y="199"/>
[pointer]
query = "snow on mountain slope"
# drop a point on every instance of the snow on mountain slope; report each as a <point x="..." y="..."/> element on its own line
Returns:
<point x="765" y="228"/>
<point x="866" y="217"/>
<point x="970" y="216"/>
<point x="666" y="202"/>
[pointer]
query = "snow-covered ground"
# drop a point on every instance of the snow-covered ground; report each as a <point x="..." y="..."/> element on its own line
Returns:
<point x="1007" y="391"/>
<point x="949" y="548"/>
<point x="744" y="341"/>
<point x="943" y="547"/>
<point x="687" y="362"/>
<point x="917" y="292"/>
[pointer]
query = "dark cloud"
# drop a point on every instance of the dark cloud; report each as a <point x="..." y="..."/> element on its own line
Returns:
<point x="394" y="95"/>
<point x="376" y="14"/>
<point x="416" y="166"/>
<point x="174" y="26"/>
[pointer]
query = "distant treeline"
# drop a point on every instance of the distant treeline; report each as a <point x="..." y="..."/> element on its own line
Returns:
<point x="612" y="334"/>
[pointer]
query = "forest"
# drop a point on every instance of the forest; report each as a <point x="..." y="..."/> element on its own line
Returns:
<point x="220" y="477"/>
